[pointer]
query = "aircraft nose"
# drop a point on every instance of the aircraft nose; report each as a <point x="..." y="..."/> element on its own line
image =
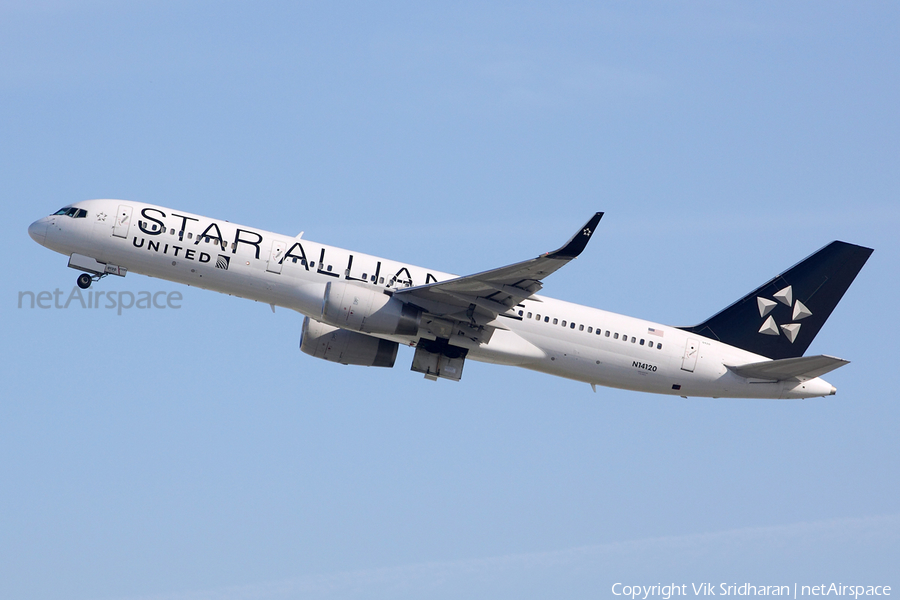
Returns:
<point x="38" y="231"/>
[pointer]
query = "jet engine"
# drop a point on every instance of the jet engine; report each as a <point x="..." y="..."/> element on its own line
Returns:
<point x="368" y="310"/>
<point x="346" y="347"/>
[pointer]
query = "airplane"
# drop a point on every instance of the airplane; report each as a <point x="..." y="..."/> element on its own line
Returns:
<point x="359" y="308"/>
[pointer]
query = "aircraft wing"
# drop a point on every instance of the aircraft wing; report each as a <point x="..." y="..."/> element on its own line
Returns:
<point x="479" y="298"/>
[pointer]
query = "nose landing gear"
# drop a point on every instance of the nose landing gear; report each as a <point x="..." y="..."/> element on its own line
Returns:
<point x="85" y="280"/>
<point x="94" y="270"/>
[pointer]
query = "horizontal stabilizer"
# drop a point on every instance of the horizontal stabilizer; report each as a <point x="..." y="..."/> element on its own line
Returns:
<point x="804" y="367"/>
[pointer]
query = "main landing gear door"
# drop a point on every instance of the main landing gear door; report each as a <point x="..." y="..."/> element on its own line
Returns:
<point x="689" y="361"/>
<point x="123" y="221"/>
<point x="276" y="257"/>
<point x="438" y="364"/>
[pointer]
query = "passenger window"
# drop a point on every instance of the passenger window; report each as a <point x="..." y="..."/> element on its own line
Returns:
<point x="607" y="333"/>
<point x="659" y="346"/>
<point x="520" y="313"/>
<point x="642" y="341"/>
<point x="590" y="330"/>
<point x="329" y="268"/>
<point x="312" y="263"/>
<point x="234" y="245"/>
<point x="546" y="319"/>
<point x="171" y="232"/>
<point x="572" y="325"/>
<point x="295" y="260"/>
<point x="206" y="239"/>
<point x="365" y="276"/>
<point x="563" y="323"/>
<point x="374" y="278"/>
<point x="190" y="235"/>
<point x="556" y="321"/>
<point x="616" y="336"/>
<point x="381" y="280"/>
<point x="633" y="340"/>
<point x="529" y="315"/>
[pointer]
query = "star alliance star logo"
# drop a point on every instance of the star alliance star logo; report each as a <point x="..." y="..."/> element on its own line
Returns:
<point x="101" y="217"/>
<point x="587" y="231"/>
<point x="786" y="297"/>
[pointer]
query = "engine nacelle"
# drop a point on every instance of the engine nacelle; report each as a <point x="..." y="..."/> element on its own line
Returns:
<point x="346" y="347"/>
<point x="368" y="310"/>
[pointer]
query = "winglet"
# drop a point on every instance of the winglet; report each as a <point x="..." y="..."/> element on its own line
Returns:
<point x="579" y="241"/>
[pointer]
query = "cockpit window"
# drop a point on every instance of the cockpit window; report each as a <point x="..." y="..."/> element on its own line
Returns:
<point x="71" y="211"/>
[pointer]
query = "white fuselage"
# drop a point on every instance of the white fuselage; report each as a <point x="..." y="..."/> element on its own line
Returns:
<point x="601" y="348"/>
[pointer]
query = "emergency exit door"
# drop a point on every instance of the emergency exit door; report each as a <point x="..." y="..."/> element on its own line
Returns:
<point x="276" y="257"/>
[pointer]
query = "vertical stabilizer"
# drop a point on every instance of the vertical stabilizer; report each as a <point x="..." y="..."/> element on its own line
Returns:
<point x="780" y="318"/>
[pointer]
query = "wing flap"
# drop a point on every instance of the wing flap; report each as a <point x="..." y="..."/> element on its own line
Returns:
<point x="803" y="367"/>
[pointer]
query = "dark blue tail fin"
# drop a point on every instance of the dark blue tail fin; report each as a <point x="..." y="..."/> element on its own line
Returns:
<point x="781" y="317"/>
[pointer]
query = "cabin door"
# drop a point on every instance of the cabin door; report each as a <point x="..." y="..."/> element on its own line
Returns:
<point x="123" y="221"/>
<point x="689" y="361"/>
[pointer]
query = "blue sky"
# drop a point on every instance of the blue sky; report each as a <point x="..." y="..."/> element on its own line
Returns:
<point x="197" y="453"/>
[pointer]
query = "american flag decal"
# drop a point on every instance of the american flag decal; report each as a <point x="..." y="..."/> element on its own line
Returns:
<point x="658" y="332"/>
<point x="222" y="262"/>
